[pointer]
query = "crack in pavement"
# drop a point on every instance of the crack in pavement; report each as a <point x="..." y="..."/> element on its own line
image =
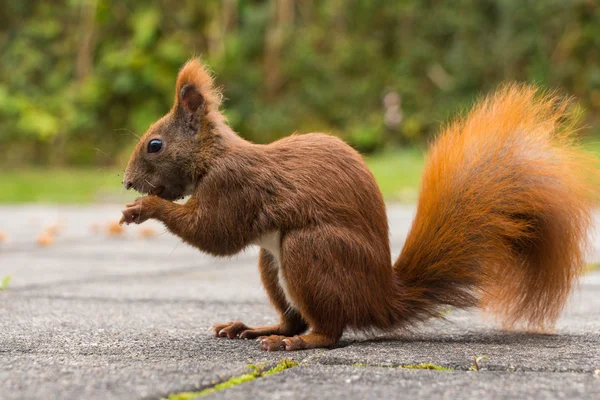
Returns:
<point x="171" y="272"/>
<point x="138" y="300"/>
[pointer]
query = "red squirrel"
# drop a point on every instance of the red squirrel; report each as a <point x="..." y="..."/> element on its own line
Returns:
<point x="502" y="221"/>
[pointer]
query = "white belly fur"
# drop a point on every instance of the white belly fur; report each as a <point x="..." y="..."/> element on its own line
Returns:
<point x="271" y="242"/>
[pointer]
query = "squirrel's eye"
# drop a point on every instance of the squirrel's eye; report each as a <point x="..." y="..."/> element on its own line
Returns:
<point x="154" y="146"/>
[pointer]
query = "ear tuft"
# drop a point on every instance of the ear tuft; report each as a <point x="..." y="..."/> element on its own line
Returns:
<point x="190" y="98"/>
<point x="195" y="88"/>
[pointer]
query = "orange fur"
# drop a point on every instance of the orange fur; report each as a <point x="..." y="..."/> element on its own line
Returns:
<point x="504" y="211"/>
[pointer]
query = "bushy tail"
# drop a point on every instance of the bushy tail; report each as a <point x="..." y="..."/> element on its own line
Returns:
<point x="504" y="212"/>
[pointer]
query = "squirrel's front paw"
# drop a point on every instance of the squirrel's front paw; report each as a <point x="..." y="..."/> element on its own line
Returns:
<point x="139" y="211"/>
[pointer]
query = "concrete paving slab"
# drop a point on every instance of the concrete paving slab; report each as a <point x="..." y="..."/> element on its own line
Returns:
<point x="345" y="382"/>
<point x="100" y="317"/>
<point x="102" y="348"/>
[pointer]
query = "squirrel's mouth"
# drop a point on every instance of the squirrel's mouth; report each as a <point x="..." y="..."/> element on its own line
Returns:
<point x="167" y="193"/>
<point x="157" y="190"/>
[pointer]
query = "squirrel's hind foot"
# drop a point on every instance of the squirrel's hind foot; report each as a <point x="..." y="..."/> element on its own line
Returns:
<point x="303" y="342"/>
<point x="239" y="330"/>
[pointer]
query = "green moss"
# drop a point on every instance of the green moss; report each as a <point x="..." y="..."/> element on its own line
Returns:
<point x="236" y="380"/>
<point x="257" y="372"/>
<point x="413" y="366"/>
<point x="5" y="282"/>
<point x="426" y="366"/>
<point x="281" y="366"/>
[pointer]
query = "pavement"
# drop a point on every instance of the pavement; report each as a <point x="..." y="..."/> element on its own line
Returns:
<point x="127" y="316"/>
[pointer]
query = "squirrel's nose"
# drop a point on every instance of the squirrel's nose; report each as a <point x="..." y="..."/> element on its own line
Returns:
<point x="128" y="184"/>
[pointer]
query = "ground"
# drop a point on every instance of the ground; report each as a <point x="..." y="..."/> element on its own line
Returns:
<point x="123" y="317"/>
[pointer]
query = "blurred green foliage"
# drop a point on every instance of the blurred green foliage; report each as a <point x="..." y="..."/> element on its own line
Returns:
<point x="79" y="78"/>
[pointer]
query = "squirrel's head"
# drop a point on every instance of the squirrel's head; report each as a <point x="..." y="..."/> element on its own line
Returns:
<point x="175" y="152"/>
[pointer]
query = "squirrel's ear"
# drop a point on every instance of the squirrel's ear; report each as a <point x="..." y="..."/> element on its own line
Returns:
<point x="190" y="98"/>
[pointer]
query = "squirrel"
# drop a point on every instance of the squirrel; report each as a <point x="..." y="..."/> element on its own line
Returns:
<point x="502" y="221"/>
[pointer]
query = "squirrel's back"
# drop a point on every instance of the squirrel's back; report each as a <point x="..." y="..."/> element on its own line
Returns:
<point x="308" y="179"/>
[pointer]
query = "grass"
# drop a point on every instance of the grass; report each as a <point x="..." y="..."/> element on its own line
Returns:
<point x="398" y="173"/>
<point x="39" y="185"/>
<point x="591" y="267"/>
<point x="257" y="372"/>
<point x="592" y="146"/>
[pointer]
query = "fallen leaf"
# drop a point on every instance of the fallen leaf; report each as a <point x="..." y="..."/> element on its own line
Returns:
<point x="53" y="230"/>
<point x="114" y="229"/>
<point x="45" y="239"/>
<point x="146" y="232"/>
